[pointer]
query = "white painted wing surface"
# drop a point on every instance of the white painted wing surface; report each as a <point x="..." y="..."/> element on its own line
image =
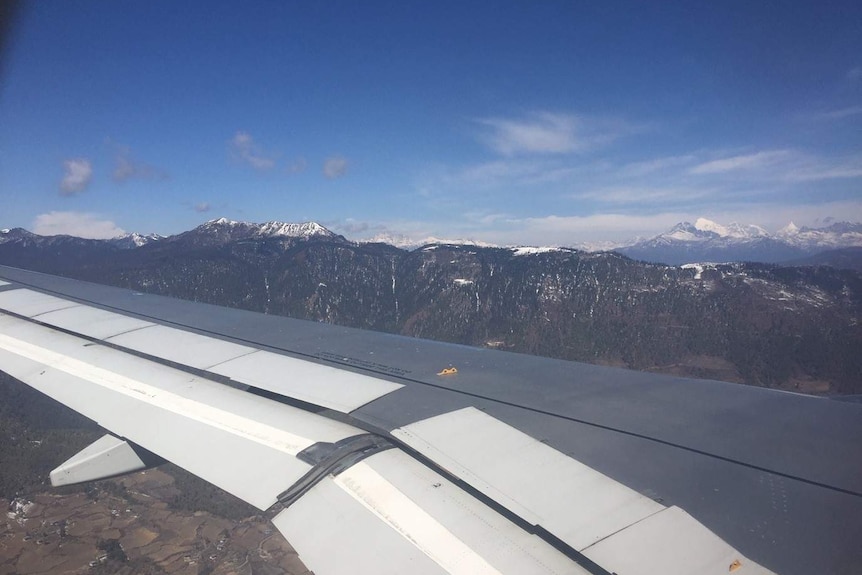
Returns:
<point x="387" y="514"/>
<point x="163" y="389"/>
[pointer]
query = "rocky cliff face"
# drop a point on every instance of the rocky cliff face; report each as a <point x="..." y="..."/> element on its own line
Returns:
<point x="791" y="327"/>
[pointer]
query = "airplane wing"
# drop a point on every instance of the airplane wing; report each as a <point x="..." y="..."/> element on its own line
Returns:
<point x="386" y="454"/>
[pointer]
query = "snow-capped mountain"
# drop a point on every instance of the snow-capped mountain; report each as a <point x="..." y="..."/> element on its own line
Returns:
<point x="213" y="232"/>
<point x="15" y="235"/>
<point x="835" y="236"/>
<point x="706" y="240"/>
<point x="133" y="240"/>
<point x="409" y="243"/>
<point x="224" y="230"/>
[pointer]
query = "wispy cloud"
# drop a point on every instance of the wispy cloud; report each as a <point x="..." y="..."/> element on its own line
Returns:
<point x="600" y="230"/>
<point x="640" y="195"/>
<point x="244" y="149"/>
<point x="539" y="133"/>
<point x="297" y="166"/>
<point x="126" y="168"/>
<point x="511" y="173"/>
<point x="83" y="225"/>
<point x="550" y="133"/>
<point x="854" y="74"/>
<point x="807" y="169"/>
<point x="654" y="165"/>
<point x="840" y="114"/>
<point x="743" y="162"/>
<point x="335" y="167"/>
<point x="77" y="174"/>
<point x="352" y="226"/>
<point x="202" y="207"/>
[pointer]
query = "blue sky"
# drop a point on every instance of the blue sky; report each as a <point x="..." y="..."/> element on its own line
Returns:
<point x="540" y="123"/>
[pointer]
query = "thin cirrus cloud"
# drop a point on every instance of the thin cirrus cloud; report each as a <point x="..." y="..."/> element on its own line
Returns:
<point x="807" y="169"/>
<point x="840" y="113"/>
<point x="335" y="167"/>
<point x="77" y="175"/>
<point x="202" y="207"/>
<point x="741" y="162"/>
<point x="640" y="195"/>
<point x="509" y="172"/>
<point x="244" y="149"/>
<point x="783" y="166"/>
<point x="549" y="133"/>
<point x="297" y="166"/>
<point x="79" y="224"/>
<point x="540" y="133"/>
<point x="126" y="168"/>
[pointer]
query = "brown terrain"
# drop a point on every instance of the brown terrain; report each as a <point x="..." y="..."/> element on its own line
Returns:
<point x="130" y="528"/>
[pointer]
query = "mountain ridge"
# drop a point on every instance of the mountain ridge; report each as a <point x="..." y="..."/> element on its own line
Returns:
<point x="708" y="241"/>
<point x="702" y="242"/>
<point x="794" y="328"/>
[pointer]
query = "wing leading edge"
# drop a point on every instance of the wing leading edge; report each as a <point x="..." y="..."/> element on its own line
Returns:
<point x="301" y="437"/>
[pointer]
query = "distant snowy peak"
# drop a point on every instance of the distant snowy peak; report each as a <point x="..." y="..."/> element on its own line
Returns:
<point x="836" y="235"/>
<point x="301" y="230"/>
<point x="134" y="240"/>
<point x="15" y="234"/>
<point x="409" y="243"/>
<point x="788" y="230"/>
<point x="706" y="225"/>
<point x="734" y="230"/>
<point x="683" y="232"/>
<point x="704" y="230"/>
<point x="706" y="240"/>
<point x="224" y="226"/>
<point x="529" y="251"/>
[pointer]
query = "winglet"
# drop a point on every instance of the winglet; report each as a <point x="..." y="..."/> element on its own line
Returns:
<point x="106" y="457"/>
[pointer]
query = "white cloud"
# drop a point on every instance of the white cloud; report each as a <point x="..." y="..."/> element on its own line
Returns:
<point x="82" y="225"/>
<point x="244" y="149"/>
<point x="335" y="167"/>
<point x="854" y="74"/>
<point x="202" y="207"/>
<point x="540" y="133"/>
<point x="550" y="133"/>
<point x="743" y="162"/>
<point x="77" y="174"/>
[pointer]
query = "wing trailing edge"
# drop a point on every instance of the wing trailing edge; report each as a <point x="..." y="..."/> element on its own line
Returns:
<point x="459" y="493"/>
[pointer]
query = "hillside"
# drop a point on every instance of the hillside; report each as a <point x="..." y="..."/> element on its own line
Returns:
<point x="794" y="328"/>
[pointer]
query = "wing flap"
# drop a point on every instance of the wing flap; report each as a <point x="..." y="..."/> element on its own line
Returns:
<point x="304" y="380"/>
<point x="183" y="347"/>
<point x="91" y="322"/>
<point x="243" y="443"/>
<point x="671" y="542"/>
<point x="412" y="516"/>
<point x="538" y="483"/>
<point x="31" y="303"/>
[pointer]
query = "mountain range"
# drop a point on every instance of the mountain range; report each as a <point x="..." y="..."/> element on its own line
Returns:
<point x="795" y="328"/>
<point x="703" y="241"/>
<point x="708" y="241"/>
